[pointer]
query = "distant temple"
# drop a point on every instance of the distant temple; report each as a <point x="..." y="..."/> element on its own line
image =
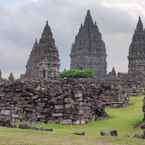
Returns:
<point x="88" y="50"/>
<point x="137" y="50"/>
<point x="72" y="101"/>
<point x="43" y="62"/>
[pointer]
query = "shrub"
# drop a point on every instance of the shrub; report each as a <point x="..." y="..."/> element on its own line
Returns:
<point x="78" y="73"/>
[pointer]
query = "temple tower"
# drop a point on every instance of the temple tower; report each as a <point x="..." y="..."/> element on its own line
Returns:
<point x="113" y="73"/>
<point x="137" y="50"/>
<point x="43" y="62"/>
<point x="88" y="50"/>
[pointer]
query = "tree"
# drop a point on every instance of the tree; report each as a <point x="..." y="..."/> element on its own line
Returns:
<point x="78" y="73"/>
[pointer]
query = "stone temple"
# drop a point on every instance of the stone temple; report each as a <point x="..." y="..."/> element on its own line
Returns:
<point x="137" y="50"/>
<point x="43" y="62"/>
<point x="88" y="50"/>
<point x="71" y="100"/>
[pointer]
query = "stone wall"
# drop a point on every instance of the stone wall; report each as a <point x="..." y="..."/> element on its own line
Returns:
<point x="58" y="101"/>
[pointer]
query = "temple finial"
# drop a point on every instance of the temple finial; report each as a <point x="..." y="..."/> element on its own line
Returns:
<point x="139" y="26"/>
<point x="47" y="33"/>
<point x="88" y="19"/>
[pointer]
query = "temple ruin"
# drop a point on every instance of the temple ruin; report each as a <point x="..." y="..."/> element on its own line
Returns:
<point x="88" y="50"/>
<point x="40" y="95"/>
<point x="43" y="62"/>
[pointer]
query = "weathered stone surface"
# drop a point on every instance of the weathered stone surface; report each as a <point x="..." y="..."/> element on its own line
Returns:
<point x="114" y="133"/>
<point x="109" y="133"/>
<point x="24" y="125"/>
<point x="104" y="133"/>
<point x="137" y="50"/>
<point x="43" y="62"/>
<point x="88" y="50"/>
<point x="131" y="84"/>
<point x="70" y="101"/>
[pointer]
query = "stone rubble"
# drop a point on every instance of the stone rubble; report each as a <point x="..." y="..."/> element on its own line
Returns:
<point x="70" y="101"/>
<point x="109" y="133"/>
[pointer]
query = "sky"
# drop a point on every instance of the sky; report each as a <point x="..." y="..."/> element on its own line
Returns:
<point x="23" y="21"/>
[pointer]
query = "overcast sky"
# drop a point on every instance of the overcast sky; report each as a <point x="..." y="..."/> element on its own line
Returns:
<point x="21" y="21"/>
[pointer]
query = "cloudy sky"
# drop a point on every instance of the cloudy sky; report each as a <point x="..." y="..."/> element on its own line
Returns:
<point x="23" y="21"/>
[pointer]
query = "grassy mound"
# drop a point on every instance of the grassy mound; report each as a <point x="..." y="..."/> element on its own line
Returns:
<point x="124" y="120"/>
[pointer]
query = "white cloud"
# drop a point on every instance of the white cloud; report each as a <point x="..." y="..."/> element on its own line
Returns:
<point x="133" y="7"/>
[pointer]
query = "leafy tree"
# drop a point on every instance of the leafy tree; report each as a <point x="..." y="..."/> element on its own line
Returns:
<point x="78" y="73"/>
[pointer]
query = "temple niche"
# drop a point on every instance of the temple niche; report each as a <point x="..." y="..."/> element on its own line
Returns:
<point x="43" y="62"/>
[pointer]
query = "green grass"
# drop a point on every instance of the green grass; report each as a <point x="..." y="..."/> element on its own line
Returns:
<point x="124" y="120"/>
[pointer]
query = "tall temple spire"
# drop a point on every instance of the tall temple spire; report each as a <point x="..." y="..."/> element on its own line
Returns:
<point x="35" y="45"/>
<point x="88" y="50"/>
<point x="139" y="31"/>
<point x="139" y="26"/>
<point x="35" y="48"/>
<point x="11" y="77"/>
<point x="47" y="28"/>
<point x="43" y="62"/>
<point x="0" y="74"/>
<point x="88" y="19"/>
<point x="113" y="71"/>
<point x="47" y="33"/>
<point x="137" y="50"/>
<point x="96" y="27"/>
<point x="33" y="53"/>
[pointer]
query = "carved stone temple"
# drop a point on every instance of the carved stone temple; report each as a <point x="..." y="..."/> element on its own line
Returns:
<point x="88" y="50"/>
<point x="72" y="100"/>
<point x="137" y="50"/>
<point x="43" y="62"/>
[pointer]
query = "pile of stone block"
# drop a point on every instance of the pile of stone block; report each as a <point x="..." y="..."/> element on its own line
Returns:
<point x="59" y="101"/>
<point x="70" y="101"/>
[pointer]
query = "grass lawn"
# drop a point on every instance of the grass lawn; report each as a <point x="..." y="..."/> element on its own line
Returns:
<point x="124" y="120"/>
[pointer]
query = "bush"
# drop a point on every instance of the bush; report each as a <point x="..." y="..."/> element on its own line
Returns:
<point x="78" y="73"/>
